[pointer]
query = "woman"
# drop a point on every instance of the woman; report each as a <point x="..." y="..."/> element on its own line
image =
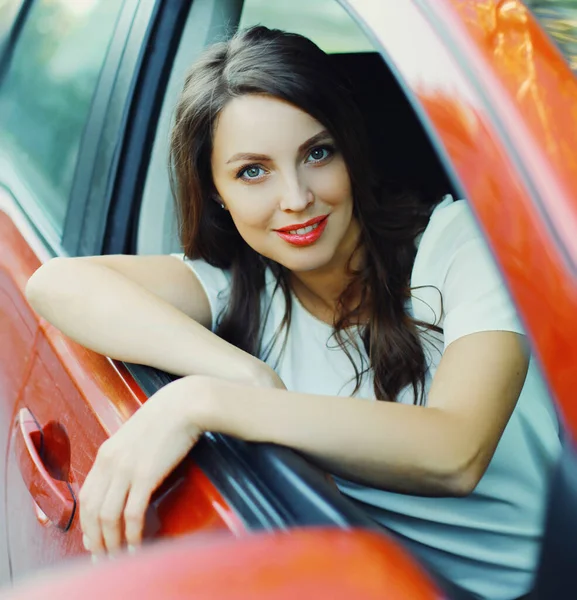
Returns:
<point x="319" y="311"/>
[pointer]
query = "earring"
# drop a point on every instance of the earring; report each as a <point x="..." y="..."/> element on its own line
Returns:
<point x="219" y="201"/>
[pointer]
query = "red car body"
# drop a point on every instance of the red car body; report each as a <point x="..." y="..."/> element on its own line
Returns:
<point x="499" y="103"/>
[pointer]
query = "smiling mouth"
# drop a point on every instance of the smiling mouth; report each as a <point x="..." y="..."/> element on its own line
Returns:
<point x="304" y="230"/>
<point x="305" y="235"/>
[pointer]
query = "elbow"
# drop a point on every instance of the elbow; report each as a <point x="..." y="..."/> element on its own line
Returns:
<point x="462" y="484"/>
<point x="461" y="477"/>
<point x="43" y="284"/>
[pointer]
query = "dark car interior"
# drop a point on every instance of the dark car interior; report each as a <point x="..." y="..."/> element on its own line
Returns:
<point x="396" y="134"/>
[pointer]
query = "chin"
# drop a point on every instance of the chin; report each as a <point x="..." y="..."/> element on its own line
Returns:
<point x="303" y="260"/>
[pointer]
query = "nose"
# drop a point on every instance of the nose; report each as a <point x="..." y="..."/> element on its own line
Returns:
<point x="296" y="195"/>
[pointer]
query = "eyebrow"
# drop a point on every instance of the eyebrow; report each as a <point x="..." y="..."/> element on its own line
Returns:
<point x="321" y="135"/>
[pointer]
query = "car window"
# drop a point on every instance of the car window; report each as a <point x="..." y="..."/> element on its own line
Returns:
<point x="324" y="21"/>
<point x="46" y="94"/>
<point x="559" y="19"/>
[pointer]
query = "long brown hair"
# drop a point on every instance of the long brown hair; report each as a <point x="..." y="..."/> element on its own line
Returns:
<point x="291" y="67"/>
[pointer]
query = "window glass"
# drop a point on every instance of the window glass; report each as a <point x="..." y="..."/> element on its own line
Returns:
<point x="324" y="21"/>
<point x="46" y="94"/>
<point x="559" y="19"/>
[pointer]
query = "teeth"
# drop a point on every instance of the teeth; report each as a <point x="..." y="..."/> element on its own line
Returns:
<point x="304" y="230"/>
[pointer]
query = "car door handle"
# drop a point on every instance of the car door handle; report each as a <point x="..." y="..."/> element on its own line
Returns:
<point x="53" y="497"/>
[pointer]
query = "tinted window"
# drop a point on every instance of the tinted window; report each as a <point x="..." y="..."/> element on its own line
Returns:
<point x="47" y="91"/>
<point x="324" y="21"/>
<point x="559" y="19"/>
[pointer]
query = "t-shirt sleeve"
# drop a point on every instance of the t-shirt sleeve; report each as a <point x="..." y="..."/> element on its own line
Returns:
<point x="215" y="282"/>
<point x="474" y="296"/>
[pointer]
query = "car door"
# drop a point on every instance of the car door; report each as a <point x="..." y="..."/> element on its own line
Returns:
<point x="17" y="328"/>
<point x="17" y="332"/>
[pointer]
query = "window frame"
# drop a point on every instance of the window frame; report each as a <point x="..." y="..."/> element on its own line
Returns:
<point x="143" y="102"/>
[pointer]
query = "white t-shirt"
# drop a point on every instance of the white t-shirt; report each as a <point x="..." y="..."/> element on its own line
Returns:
<point x="489" y="541"/>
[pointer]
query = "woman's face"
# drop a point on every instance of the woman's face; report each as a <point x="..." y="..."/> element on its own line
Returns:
<point x="286" y="185"/>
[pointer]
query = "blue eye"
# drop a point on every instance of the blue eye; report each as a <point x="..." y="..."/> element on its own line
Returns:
<point x="319" y="154"/>
<point x="251" y="172"/>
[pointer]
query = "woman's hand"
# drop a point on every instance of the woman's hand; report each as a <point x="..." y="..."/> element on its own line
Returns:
<point x="132" y="464"/>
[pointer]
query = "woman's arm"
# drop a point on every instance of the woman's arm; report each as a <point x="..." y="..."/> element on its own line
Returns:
<point x="441" y="449"/>
<point x="142" y="309"/>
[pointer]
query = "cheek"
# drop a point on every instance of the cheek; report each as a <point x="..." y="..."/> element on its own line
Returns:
<point x="249" y="216"/>
<point x="332" y="184"/>
<point x="253" y="224"/>
<point x="252" y="213"/>
<point x="249" y="206"/>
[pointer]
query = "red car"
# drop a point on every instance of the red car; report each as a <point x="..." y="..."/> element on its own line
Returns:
<point x="479" y="94"/>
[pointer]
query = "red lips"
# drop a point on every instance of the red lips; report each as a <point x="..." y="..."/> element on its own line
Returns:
<point x="304" y="239"/>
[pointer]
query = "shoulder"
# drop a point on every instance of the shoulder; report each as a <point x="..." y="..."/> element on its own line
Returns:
<point x="218" y="282"/>
<point x="451" y="228"/>
<point x="215" y="282"/>
<point x="209" y="275"/>
<point x="452" y="224"/>
<point x="456" y="279"/>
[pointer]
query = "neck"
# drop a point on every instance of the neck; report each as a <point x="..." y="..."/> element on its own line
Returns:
<point x="320" y="290"/>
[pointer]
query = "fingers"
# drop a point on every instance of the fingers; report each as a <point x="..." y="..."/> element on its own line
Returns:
<point x="102" y="499"/>
<point x="130" y="465"/>
<point x="135" y="511"/>
<point x="90" y="499"/>
<point x="113" y="503"/>
<point x="111" y="512"/>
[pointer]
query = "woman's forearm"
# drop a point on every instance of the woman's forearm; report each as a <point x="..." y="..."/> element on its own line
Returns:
<point x="401" y="448"/>
<point x="112" y="315"/>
